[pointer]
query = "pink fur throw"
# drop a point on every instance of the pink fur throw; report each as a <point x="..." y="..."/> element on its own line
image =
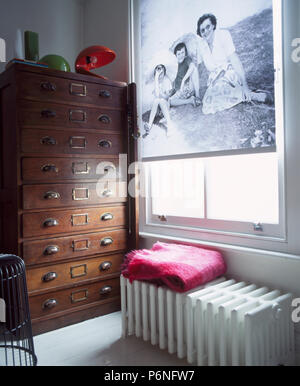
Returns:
<point x="179" y="267"/>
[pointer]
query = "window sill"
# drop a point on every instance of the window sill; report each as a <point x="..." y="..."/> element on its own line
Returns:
<point x="225" y="247"/>
<point x="234" y="233"/>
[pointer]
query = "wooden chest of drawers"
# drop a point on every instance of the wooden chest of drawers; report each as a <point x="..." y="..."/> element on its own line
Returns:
<point x="63" y="191"/>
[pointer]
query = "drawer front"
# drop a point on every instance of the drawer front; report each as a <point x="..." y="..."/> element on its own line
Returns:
<point x="57" y="222"/>
<point x="70" y="273"/>
<point x="60" y="248"/>
<point x="51" y="169"/>
<point x="61" y="142"/>
<point x="46" y="88"/>
<point x="64" y="195"/>
<point x="63" y="300"/>
<point x="56" y="115"/>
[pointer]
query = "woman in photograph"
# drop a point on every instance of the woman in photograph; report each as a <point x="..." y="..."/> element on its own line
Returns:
<point x="227" y="84"/>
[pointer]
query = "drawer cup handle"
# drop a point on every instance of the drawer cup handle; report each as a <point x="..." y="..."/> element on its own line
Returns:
<point x="106" y="241"/>
<point x="105" y="290"/>
<point x="105" y="144"/>
<point x="51" y="222"/>
<point x="47" y="86"/>
<point x="50" y="303"/>
<point x="49" y="277"/>
<point x="106" y="217"/>
<point x="49" y="168"/>
<point x="48" y="141"/>
<point x="52" y="196"/>
<point x="105" y="266"/>
<point x="107" y="193"/>
<point x="109" y="168"/>
<point x="51" y="250"/>
<point x="104" y="119"/>
<point x="48" y="113"/>
<point x="104" y="94"/>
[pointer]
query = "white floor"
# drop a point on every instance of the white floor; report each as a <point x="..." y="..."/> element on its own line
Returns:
<point x="99" y="342"/>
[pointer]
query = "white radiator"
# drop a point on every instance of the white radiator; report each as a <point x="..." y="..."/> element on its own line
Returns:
<point x="224" y="322"/>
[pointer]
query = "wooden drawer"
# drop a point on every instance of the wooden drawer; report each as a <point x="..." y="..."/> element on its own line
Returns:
<point x="63" y="248"/>
<point x="60" y="90"/>
<point x="76" y="220"/>
<point x="57" y="115"/>
<point x="61" y="142"/>
<point x="51" y="169"/>
<point x="59" y="275"/>
<point x="71" y="195"/>
<point x="63" y="300"/>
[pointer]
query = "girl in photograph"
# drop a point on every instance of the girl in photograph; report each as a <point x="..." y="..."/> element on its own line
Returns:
<point x="227" y="85"/>
<point x="162" y="91"/>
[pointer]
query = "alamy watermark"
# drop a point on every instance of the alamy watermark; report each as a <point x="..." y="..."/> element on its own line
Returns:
<point x="179" y="184"/>
<point x="2" y="311"/>
<point x="2" y="51"/>
<point x="296" y="51"/>
<point x="112" y="178"/>
<point x="296" y="311"/>
<point x="167" y="182"/>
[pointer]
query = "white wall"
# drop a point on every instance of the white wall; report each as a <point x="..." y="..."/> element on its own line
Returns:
<point x="65" y="27"/>
<point x="58" y="23"/>
<point x="292" y="132"/>
<point x="106" y="24"/>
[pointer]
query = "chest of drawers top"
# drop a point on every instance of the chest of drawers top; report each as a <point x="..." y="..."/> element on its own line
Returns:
<point x="52" y="86"/>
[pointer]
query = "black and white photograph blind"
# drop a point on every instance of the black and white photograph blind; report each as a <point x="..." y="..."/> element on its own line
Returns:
<point x="207" y="76"/>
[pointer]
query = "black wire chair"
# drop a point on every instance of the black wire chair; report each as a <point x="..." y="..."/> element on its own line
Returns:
<point x="16" y="341"/>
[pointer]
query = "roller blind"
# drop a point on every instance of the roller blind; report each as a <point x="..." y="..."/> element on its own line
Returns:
<point x="209" y="84"/>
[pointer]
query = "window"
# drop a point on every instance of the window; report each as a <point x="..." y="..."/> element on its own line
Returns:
<point x="236" y="194"/>
<point x="196" y="186"/>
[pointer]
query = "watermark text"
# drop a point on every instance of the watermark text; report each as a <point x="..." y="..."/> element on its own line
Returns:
<point x="296" y="311"/>
<point x="2" y="51"/>
<point x="296" y="51"/>
<point x="2" y="311"/>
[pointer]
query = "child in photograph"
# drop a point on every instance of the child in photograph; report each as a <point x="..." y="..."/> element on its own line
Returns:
<point x="162" y="91"/>
<point x="186" y="85"/>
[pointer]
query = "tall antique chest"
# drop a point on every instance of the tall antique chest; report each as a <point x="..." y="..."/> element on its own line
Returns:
<point x="66" y="145"/>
